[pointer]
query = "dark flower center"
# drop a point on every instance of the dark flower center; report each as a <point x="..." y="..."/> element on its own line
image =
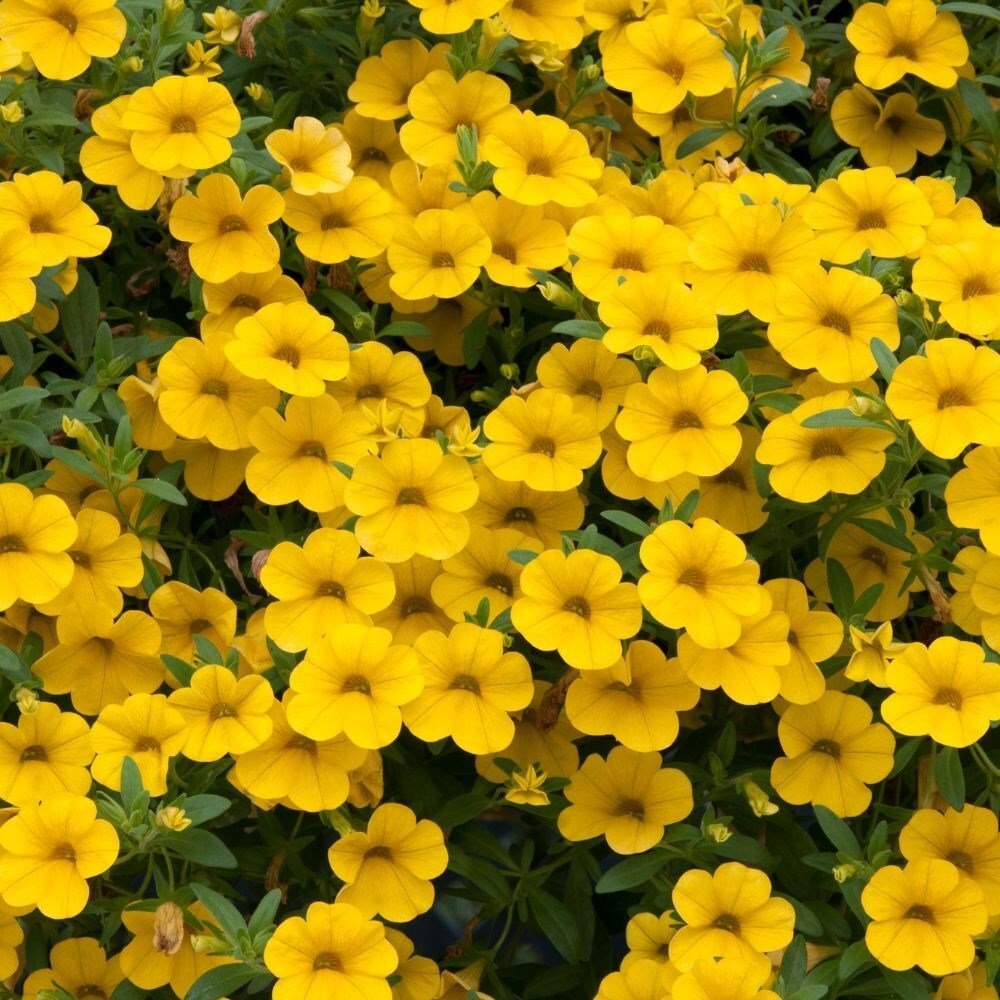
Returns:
<point x="577" y="606"/>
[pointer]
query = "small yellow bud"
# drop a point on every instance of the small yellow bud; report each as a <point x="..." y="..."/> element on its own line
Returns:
<point x="525" y="788"/>
<point x="132" y="65"/>
<point x="843" y="873"/>
<point x="89" y="443"/>
<point x="557" y="295"/>
<point x="493" y="32"/>
<point x="11" y="112"/>
<point x="254" y="91"/>
<point x="172" y="818"/>
<point x="645" y="355"/>
<point x="172" y="9"/>
<point x="591" y="73"/>
<point x="510" y="371"/>
<point x="27" y="701"/>
<point x="719" y="832"/>
<point x="341" y="822"/>
<point x="224" y="26"/>
<point x="759" y="802"/>
<point x="462" y="441"/>
<point x="208" y="944"/>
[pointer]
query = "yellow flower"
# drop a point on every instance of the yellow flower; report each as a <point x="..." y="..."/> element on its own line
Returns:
<point x="225" y="26"/>
<point x="46" y="753"/>
<point x="645" y="978"/>
<point x="873" y="652"/>
<point x="203" y="395"/>
<point x="925" y="915"/>
<point x="222" y="714"/>
<point x="636" y="700"/>
<point x="526" y="788"/>
<point x="889" y="136"/>
<point x="906" y="36"/>
<point x="35" y="534"/>
<point x="332" y="951"/>
<point x="542" y="441"/>
<point x="181" y="122"/>
<point x="11" y="112"/>
<point x="382" y="83"/>
<point x="78" y="965"/>
<point x="374" y="146"/>
<point x="946" y="690"/>
<point x="411" y="500"/>
<point x="63" y="36"/>
<point x="628" y="799"/>
<point x="296" y="452"/>
<point x="183" y="613"/>
<point x="731" y="915"/>
<point x="354" y="681"/>
<point x="808" y="463"/>
<point x="682" y="421"/>
<point x="577" y="605"/>
<point x="663" y="59"/>
<point x="172" y="818"/>
<point x="201" y="61"/>
<point x="950" y="396"/>
<point x="315" y="155"/>
<point x="470" y="688"/>
<point x="437" y="253"/>
<point x="306" y="774"/>
<point x="143" y="727"/>
<point x="972" y="494"/>
<point x="52" y="213"/>
<point x="869" y="209"/>
<point x="20" y="261"/>
<point x="723" y="979"/>
<point x="541" y="159"/>
<point x="242" y="295"/>
<point x="699" y="578"/>
<point x="320" y="586"/>
<point x="228" y="232"/>
<point x="388" y="869"/>
<point x="49" y="850"/>
<point x="413" y="610"/>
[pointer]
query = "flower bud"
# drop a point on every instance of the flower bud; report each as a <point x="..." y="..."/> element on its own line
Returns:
<point x="208" y="944"/>
<point x="11" y="112"/>
<point x="27" y="700"/>
<point x="172" y="818"/>
<point x="759" y="802"/>
<point x="172" y="9"/>
<point x="845" y="872"/>
<point x="132" y="65"/>
<point x="89" y="443"/>
<point x="719" y="832"/>
<point x="558" y="295"/>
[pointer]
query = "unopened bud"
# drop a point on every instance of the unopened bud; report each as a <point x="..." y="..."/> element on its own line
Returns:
<point x="27" y="700"/>
<point x="845" y="872"/>
<point x="172" y="9"/>
<point x="591" y="73"/>
<point x="172" y="818"/>
<point x="558" y="295"/>
<point x="371" y="11"/>
<point x="510" y="371"/>
<point x="758" y="799"/>
<point x="132" y="65"/>
<point x="89" y="444"/>
<point x="208" y="944"/>
<point x="719" y="832"/>
<point x="11" y="112"/>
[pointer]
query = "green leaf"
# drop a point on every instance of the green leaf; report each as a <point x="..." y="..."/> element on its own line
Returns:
<point x="980" y="107"/>
<point x="557" y="922"/>
<point x="949" y="777"/>
<point x="793" y="964"/>
<point x="841" y="587"/>
<point x="907" y="985"/>
<point x="631" y="872"/>
<point x="79" y="316"/>
<point x="228" y="918"/>
<point x="404" y="328"/>
<point x="580" y="328"/>
<point x="181" y="669"/>
<point x="12" y="666"/>
<point x="885" y="359"/>
<point x="263" y="917"/>
<point x="778" y="96"/>
<point x="975" y="9"/>
<point x="220" y="982"/>
<point x="10" y="399"/>
<point x="904" y="754"/>
<point x="838" y="832"/>
<point x="522" y="556"/>
<point x="837" y="418"/>
<point x="200" y="846"/>
<point x="161" y="490"/>
<point x="631" y="523"/>
<point x="853" y="960"/>
<point x="201" y="808"/>
<point x="131" y="789"/>
<point x="886" y="533"/>
<point x="461" y="809"/>
<point x="699" y="140"/>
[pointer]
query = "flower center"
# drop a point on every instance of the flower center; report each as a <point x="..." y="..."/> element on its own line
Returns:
<point x="411" y="496"/>
<point x="215" y="387"/>
<point x="298" y="163"/>
<point x="730" y="477"/>
<point x="222" y="710"/>
<point x="674" y="68"/>
<point x="289" y="355"/>
<point x="379" y="851"/>
<point x="976" y="285"/>
<point x="826" y="446"/>
<point x="332" y="221"/>
<point x="577" y="606"/>
<point x="755" y="262"/>
<point x="465" y="682"/>
<point x="80" y="559"/>
<point x="894" y="124"/>
<point x="416" y="605"/>
<point x="692" y="577"/>
<point x="727" y="922"/>
<point x="328" y="960"/>
<point x="961" y="860"/>
<point x="328" y="588"/>
<point x="950" y="697"/>
<point x="302" y="743"/>
<point x="877" y="556"/>
<point x="373" y="153"/>
<point x="506" y="250"/>
<point x="232" y="224"/>
<point x="311" y="449"/>
<point x="590" y="388"/>
<point x="501" y="582"/>
<point x="518" y="515"/>
<point x="687" y="420"/>
<point x="837" y="321"/>
<point x="12" y="543"/>
<point x="147" y="744"/>
<point x="197" y="625"/>
<point x="657" y="328"/>
<point x="442" y="259"/>
<point x="245" y="302"/>
<point x="357" y="684"/>
<point x="34" y="752"/>
<point x="538" y="165"/>
<point x="66" y="19"/>
<point x="183" y="123"/>
<point x="631" y="807"/>
<point x="40" y="223"/>
<point x="90" y="990"/>
<point x="952" y="397"/>
<point x="544" y="446"/>
<point x="871" y="220"/>
<point x="628" y="260"/>
<point x="918" y="912"/>
<point x="63" y="852"/>
<point x="370" y="391"/>
<point x="903" y="49"/>
<point x="828" y="747"/>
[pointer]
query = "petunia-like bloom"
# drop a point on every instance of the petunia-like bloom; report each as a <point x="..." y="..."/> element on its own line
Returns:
<point x="644" y="978"/>
<point x="871" y="209"/>
<point x="906" y="36"/>
<point x="808" y="463"/>
<point x="20" y="261"/>
<point x="382" y="83"/>
<point x="699" y="578"/>
<point x="411" y="500"/>
<point x="682" y="421"/>
<point x="722" y="979"/>
<point x="950" y="396"/>
<point x="833" y="752"/>
<point x="316" y="156"/>
<point x="729" y="914"/>
<point x="228" y="232"/>
<point x="925" y="914"/>
<point x="184" y="613"/>
<point x="577" y="605"/>
<point x="332" y="951"/>
<point x="227" y="302"/>
<point x="947" y="691"/>
<point x="291" y="346"/>
<point x="636" y="700"/>
<point x="827" y="319"/>
<point x="889" y="135"/>
<point x="661" y="60"/>
<point x="52" y="213"/>
<point x="223" y="714"/>
<point x="320" y="585"/>
<point x="354" y="681"/>
<point x="389" y="867"/>
<point x="470" y="688"/>
<point x="49" y="850"/>
<point x="35" y="534"/>
<point x="295" y="452"/>
<point x="181" y="123"/>
<point x="63" y="36"/>
<point x="80" y="966"/>
<point x="973" y="493"/>
<point x="628" y="799"/>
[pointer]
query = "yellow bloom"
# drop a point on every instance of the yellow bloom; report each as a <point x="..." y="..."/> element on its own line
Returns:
<point x="413" y="610"/>
<point x="628" y="799"/>
<point x="906" y="36"/>
<point x="222" y="714"/>
<point x="80" y="966"/>
<point x="20" y="261"/>
<point x="382" y="83"/>
<point x="873" y="652"/>
<point x="925" y="915"/>
<point x="388" y="869"/>
<point x="972" y="494"/>
<point x="63" y="36"/>
<point x="48" y="851"/>
<point x="645" y="978"/>
<point x="470" y="688"/>
<point x="722" y="979"/>
<point x="172" y="818"/>
<point x="332" y="951"/>
<point x="731" y="915"/>
<point x="526" y="788"/>
<point x="354" y="681"/>
<point x="228" y="232"/>
<point x="242" y="295"/>
<point x="945" y="690"/>
<point x="201" y="61"/>
<point x="411" y="500"/>
<point x="225" y="26"/>
<point x="950" y="396"/>
<point x="315" y="155"/>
